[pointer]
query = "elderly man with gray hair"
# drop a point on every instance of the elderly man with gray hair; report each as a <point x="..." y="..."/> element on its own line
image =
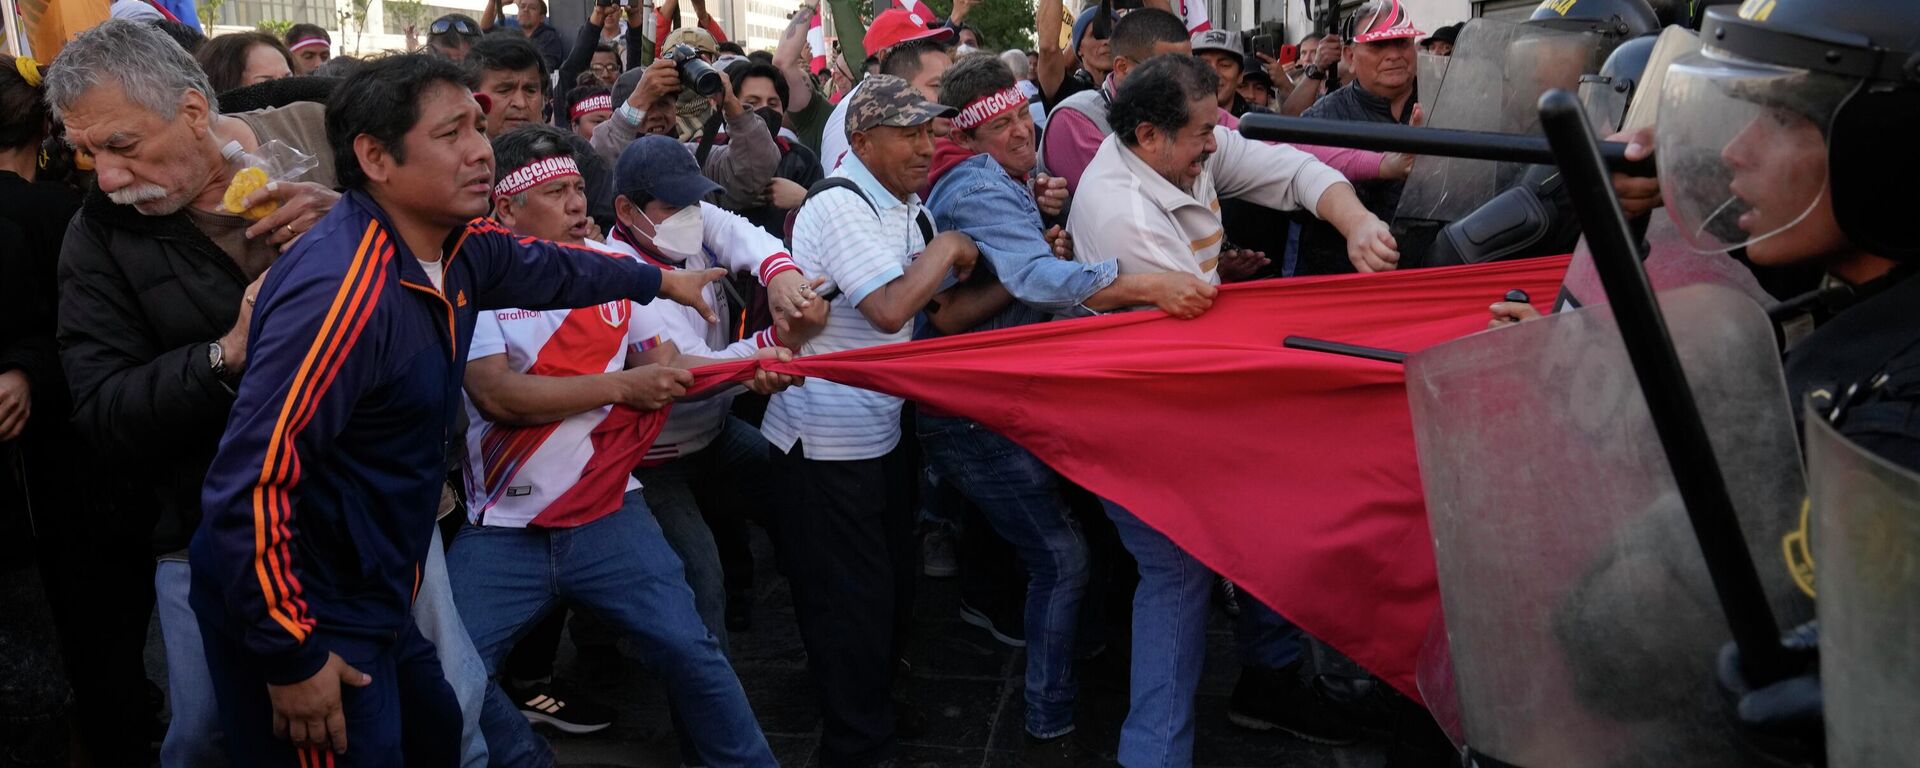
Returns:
<point x="157" y="279"/>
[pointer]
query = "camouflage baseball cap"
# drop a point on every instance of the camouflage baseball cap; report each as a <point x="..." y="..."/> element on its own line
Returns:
<point x="700" y="39"/>
<point x="888" y="100"/>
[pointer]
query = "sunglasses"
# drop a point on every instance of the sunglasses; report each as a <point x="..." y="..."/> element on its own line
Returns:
<point x="442" y="26"/>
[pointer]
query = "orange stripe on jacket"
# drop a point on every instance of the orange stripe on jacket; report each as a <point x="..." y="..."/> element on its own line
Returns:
<point x="330" y="361"/>
<point x="271" y="562"/>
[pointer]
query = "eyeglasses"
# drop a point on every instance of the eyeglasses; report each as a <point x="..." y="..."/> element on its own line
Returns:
<point x="442" y="26"/>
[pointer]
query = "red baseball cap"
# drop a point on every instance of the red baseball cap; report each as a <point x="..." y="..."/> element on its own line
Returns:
<point x="898" y="25"/>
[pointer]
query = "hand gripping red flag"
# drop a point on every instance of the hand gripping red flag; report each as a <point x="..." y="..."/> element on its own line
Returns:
<point x="1291" y="472"/>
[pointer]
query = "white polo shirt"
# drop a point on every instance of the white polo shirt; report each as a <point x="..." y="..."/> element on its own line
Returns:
<point x="838" y="236"/>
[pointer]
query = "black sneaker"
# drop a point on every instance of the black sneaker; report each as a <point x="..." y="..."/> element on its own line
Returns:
<point x="739" y="611"/>
<point x="1009" y="630"/>
<point x="542" y="705"/>
<point x="1267" y="699"/>
<point x="1062" y="751"/>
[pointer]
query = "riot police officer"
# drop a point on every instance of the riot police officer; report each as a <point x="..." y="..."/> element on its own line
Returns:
<point x="1788" y="135"/>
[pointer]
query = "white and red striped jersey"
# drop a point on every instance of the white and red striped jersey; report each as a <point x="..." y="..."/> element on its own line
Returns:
<point x="573" y="471"/>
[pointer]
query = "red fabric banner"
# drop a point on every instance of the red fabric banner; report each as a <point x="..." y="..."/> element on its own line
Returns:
<point x="1290" y="472"/>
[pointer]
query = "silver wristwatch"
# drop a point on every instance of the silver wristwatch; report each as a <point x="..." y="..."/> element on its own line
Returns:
<point x="217" y="359"/>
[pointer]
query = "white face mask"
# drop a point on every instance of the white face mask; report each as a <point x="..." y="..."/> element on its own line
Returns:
<point x="681" y="234"/>
<point x="963" y="49"/>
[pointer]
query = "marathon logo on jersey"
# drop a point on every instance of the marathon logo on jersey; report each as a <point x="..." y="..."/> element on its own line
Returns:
<point x="516" y="314"/>
<point x="520" y="490"/>
<point x="615" y="313"/>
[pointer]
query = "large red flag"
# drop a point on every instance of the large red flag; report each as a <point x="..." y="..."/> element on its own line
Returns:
<point x="1290" y="472"/>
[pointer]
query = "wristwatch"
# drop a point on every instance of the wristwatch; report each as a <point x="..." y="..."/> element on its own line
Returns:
<point x="217" y="359"/>
<point x="1314" y="72"/>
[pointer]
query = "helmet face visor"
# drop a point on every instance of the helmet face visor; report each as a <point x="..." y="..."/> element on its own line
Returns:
<point x="1606" y="98"/>
<point x="1741" y="147"/>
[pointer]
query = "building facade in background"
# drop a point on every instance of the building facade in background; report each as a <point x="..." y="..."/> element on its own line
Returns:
<point x="754" y="23"/>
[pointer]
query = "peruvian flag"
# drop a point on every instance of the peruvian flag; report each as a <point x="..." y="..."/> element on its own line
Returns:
<point x="914" y="7"/>
<point x="817" y="43"/>
<point x="1195" y="12"/>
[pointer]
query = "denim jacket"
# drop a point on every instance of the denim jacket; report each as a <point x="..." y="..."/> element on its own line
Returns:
<point x="979" y="198"/>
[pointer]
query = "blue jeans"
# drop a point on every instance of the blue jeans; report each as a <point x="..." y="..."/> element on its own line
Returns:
<point x="621" y="569"/>
<point x="738" y="455"/>
<point x="1019" y="495"/>
<point x="439" y="621"/>
<point x="193" y="735"/>
<point x="1170" y="644"/>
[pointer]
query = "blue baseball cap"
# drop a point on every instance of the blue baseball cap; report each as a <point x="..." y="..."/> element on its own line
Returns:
<point x="662" y="168"/>
<point x="1081" y="24"/>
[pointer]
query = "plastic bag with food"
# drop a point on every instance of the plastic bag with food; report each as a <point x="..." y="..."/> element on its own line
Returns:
<point x="272" y="162"/>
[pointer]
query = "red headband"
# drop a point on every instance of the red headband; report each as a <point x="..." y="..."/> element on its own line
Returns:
<point x="535" y="174"/>
<point x="989" y="107"/>
<point x="599" y="102"/>
<point x="309" y="43"/>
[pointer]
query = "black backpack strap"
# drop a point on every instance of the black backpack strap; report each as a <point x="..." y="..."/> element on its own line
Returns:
<point x="926" y="226"/>
<point x="838" y="182"/>
<point x="707" y="133"/>
<point x="841" y="182"/>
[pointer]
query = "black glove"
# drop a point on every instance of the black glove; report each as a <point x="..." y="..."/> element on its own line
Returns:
<point x="1783" y="722"/>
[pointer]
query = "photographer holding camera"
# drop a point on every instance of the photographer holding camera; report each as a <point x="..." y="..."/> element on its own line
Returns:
<point x="681" y="73"/>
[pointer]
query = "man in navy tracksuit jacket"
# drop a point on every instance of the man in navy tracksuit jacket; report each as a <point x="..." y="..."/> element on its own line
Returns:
<point x="320" y="505"/>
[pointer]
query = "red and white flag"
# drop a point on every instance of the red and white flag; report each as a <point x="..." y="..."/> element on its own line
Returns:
<point x="1195" y="14"/>
<point x="817" y="43"/>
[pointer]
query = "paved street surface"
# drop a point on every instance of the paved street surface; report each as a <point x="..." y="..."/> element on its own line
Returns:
<point x="967" y="685"/>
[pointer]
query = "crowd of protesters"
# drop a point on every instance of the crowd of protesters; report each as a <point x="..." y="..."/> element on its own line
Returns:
<point x="367" y="447"/>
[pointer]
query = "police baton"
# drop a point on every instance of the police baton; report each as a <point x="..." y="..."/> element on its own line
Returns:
<point x="1443" y="142"/>
<point x="1676" y="417"/>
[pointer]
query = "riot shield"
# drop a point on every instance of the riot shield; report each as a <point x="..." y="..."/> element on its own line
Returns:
<point x="1675" y="42"/>
<point x="1669" y="264"/>
<point x="1491" y="83"/>
<point x="1581" y="620"/>
<point x="1866" y="517"/>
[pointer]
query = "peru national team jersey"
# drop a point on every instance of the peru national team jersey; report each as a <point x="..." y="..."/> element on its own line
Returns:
<point x="566" y="473"/>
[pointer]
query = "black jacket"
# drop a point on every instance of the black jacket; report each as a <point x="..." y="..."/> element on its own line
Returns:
<point x="1322" y="249"/>
<point x="140" y="299"/>
<point x="1866" y="361"/>
<point x="37" y="477"/>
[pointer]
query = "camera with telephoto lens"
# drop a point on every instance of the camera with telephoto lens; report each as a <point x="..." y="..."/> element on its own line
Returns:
<point x="694" y="70"/>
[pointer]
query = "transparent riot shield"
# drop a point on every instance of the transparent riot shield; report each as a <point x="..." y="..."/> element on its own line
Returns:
<point x="1866" y="532"/>
<point x="1674" y="42"/>
<point x="1492" y="83"/>
<point x="1582" y="625"/>
<point x="1669" y="264"/>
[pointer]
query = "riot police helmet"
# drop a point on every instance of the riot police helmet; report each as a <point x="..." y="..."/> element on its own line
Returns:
<point x="1789" y="102"/>
<point x="1613" y="18"/>
<point x="1607" y="93"/>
